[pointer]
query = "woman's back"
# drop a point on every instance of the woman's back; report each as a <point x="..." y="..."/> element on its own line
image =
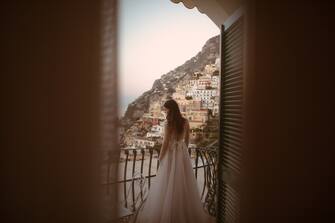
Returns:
<point x="182" y="136"/>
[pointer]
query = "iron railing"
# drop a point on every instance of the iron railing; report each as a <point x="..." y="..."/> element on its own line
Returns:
<point x="138" y="167"/>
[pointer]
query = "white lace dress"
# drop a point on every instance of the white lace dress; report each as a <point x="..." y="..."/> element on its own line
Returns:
<point x="174" y="195"/>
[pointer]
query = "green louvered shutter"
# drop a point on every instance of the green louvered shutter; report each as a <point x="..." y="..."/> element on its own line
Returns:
<point x="231" y="123"/>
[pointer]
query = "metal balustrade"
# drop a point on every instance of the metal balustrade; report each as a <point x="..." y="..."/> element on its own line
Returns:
<point x="138" y="167"/>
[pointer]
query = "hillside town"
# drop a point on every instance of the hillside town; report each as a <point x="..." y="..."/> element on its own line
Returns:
<point x="198" y="100"/>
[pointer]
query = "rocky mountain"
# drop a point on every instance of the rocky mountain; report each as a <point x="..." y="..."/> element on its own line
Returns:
<point x="165" y="86"/>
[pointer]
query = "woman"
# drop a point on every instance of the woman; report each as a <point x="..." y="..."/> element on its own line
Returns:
<point x="174" y="196"/>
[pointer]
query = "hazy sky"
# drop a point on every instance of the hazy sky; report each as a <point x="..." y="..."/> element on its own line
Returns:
<point x="156" y="36"/>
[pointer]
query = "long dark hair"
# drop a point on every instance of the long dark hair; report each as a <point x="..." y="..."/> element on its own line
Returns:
<point x="175" y="120"/>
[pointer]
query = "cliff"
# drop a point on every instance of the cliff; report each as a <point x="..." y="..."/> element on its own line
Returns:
<point x="165" y="86"/>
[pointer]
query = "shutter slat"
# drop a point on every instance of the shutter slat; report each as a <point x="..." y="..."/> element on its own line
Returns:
<point x="229" y="152"/>
<point x="233" y="140"/>
<point x="231" y="34"/>
<point x="234" y="78"/>
<point x="231" y="163"/>
<point x="233" y="51"/>
<point x="233" y="71"/>
<point x="230" y="148"/>
<point x="234" y="129"/>
<point x="232" y="89"/>
<point x="234" y="63"/>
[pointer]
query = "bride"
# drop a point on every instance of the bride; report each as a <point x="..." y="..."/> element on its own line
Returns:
<point x="174" y="196"/>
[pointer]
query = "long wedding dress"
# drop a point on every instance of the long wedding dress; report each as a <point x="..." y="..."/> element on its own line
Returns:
<point x="174" y="196"/>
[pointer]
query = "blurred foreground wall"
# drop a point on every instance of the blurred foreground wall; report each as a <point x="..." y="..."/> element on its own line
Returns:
<point x="50" y="111"/>
<point x="289" y="148"/>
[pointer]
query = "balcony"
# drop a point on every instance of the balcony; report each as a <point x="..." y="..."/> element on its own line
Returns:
<point x="137" y="171"/>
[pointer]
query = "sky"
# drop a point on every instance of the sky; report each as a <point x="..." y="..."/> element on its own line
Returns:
<point x="156" y="36"/>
